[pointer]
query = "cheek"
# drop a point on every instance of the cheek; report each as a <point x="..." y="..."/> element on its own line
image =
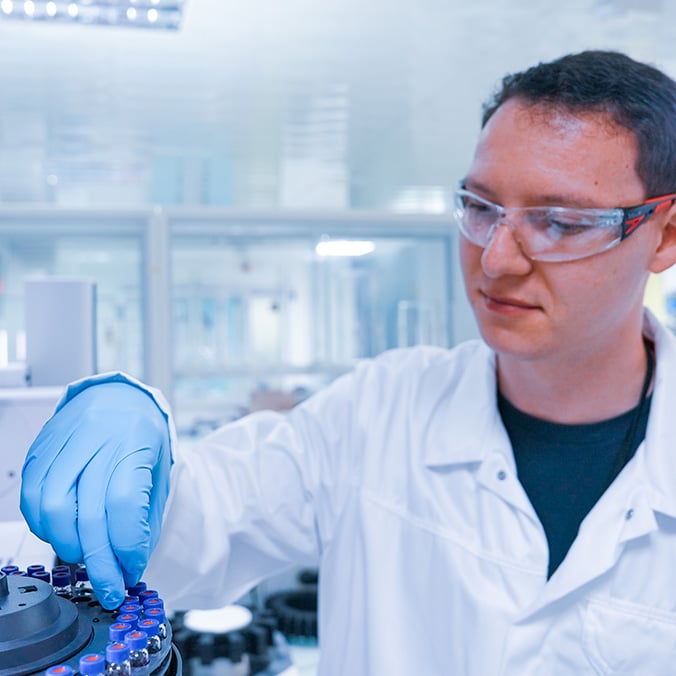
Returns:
<point x="470" y="259"/>
<point x="603" y="288"/>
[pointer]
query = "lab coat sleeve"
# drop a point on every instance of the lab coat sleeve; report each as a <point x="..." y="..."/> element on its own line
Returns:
<point x="257" y="496"/>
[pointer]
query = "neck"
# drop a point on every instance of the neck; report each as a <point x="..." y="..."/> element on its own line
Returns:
<point x="590" y="388"/>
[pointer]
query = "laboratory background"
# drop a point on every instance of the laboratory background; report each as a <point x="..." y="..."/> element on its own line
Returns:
<point x="236" y="201"/>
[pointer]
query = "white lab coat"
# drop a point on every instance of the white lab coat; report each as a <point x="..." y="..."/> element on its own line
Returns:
<point x="399" y="481"/>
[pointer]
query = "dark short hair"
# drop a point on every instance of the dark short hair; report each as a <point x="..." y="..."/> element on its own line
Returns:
<point x="634" y="95"/>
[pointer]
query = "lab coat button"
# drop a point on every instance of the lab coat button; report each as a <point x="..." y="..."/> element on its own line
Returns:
<point x="502" y="475"/>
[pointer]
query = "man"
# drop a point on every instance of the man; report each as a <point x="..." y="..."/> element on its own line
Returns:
<point x="492" y="509"/>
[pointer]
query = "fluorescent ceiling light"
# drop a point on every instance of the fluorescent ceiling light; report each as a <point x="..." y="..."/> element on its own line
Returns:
<point x="162" y="14"/>
<point x="344" y="247"/>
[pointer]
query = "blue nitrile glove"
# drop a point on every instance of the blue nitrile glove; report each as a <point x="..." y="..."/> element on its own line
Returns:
<point x="95" y="483"/>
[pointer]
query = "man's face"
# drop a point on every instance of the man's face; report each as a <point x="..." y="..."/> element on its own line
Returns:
<point x="533" y="156"/>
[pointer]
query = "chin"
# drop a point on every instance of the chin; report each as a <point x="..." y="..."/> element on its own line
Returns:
<point x="509" y="341"/>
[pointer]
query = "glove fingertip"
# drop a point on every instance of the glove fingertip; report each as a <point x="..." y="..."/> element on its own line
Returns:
<point x="110" y="600"/>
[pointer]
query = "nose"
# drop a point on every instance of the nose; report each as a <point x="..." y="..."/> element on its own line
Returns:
<point x="503" y="255"/>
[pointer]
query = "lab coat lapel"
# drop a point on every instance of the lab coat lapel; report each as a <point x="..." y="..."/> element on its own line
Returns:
<point x="469" y="430"/>
<point x="646" y="486"/>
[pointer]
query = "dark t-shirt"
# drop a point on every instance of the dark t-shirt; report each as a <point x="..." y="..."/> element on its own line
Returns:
<point x="565" y="469"/>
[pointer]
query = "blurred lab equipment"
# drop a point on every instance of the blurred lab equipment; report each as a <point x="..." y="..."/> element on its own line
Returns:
<point x="232" y="641"/>
<point x="60" y="346"/>
<point x="60" y="324"/>
<point x="23" y="411"/>
<point x="214" y="306"/>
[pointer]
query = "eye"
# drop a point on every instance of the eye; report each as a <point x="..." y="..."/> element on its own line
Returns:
<point x="475" y="204"/>
<point x="559" y="222"/>
<point x="567" y="228"/>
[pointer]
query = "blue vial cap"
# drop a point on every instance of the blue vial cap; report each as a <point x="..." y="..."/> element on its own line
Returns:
<point x="18" y="572"/>
<point x="116" y="653"/>
<point x="133" y="600"/>
<point x="151" y="627"/>
<point x="59" y="670"/>
<point x="136" y="640"/>
<point x="60" y="569"/>
<point x="155" y="614"/>
<point x="81" y="575"/>
<point x="129" y="608"/>
<point x="9" y="570"/>
<point x="153" y="603"/>
<point x="35" y="568"/>
<point x="43" y="575"/>
<point x="148" y="594"/>
<point x="117" y="631"/>
<point x="137" y="588"/>
<point x="61" y="578"/>
<point x="128" y="618"/>
<point x="91" y="664"/>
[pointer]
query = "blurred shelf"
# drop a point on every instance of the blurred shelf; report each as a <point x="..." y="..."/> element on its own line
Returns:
<point x="201" y="372"/>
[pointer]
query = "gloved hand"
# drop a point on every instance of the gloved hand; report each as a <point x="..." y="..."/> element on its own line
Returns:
<point x="95" y="483"/>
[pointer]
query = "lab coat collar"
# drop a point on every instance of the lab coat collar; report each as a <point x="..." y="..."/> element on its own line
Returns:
<point x="657" y="456"/>
<point x="468" y="427"/>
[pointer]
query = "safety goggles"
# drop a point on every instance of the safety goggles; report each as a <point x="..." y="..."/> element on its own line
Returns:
<point x="553" y="233"/>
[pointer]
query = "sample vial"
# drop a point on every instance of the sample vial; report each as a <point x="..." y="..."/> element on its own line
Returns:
<point x="130" y="608"/>
<point x="129" y="618"/>
<point x="139" y="657"/>
<point x="59" y="670"/>
<point x="159" y="615"/>
<point x="152" y="628"/>
<point x="92" y="664"/>
<point x="35" y="568"/>
<point x="117" y="660"/>
<point x="117" y="631"/>
<point x="154" y="602"/>
<point x="9" y="570"/>
<point x="137" y="588"/>
<point x="44" y="576"/>
<point x="61" y="583"/>
<point x="148" y="594"/>
<point x="82" y="586"/>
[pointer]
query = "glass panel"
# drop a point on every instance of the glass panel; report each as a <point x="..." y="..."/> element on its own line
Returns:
<point x="260" y="323"/>
<point x="115" y="263"/>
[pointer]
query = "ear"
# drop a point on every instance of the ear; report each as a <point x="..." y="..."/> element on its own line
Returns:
<point x="665" y="254"/>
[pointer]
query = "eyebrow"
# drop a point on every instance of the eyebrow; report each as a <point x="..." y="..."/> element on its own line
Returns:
<point x="545" y="200"/>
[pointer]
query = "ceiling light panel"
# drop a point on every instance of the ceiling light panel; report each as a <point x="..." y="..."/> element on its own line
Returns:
<point x="157" y="14"/>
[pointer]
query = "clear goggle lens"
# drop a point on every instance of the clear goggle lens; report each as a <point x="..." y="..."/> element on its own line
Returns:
<point x="543" y="233"/>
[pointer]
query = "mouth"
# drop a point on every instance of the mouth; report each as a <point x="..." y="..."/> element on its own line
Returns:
<point x="507" y="304"/>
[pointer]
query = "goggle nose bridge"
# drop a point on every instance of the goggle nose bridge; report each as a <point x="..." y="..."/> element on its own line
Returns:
<point x="502" y="218"/>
